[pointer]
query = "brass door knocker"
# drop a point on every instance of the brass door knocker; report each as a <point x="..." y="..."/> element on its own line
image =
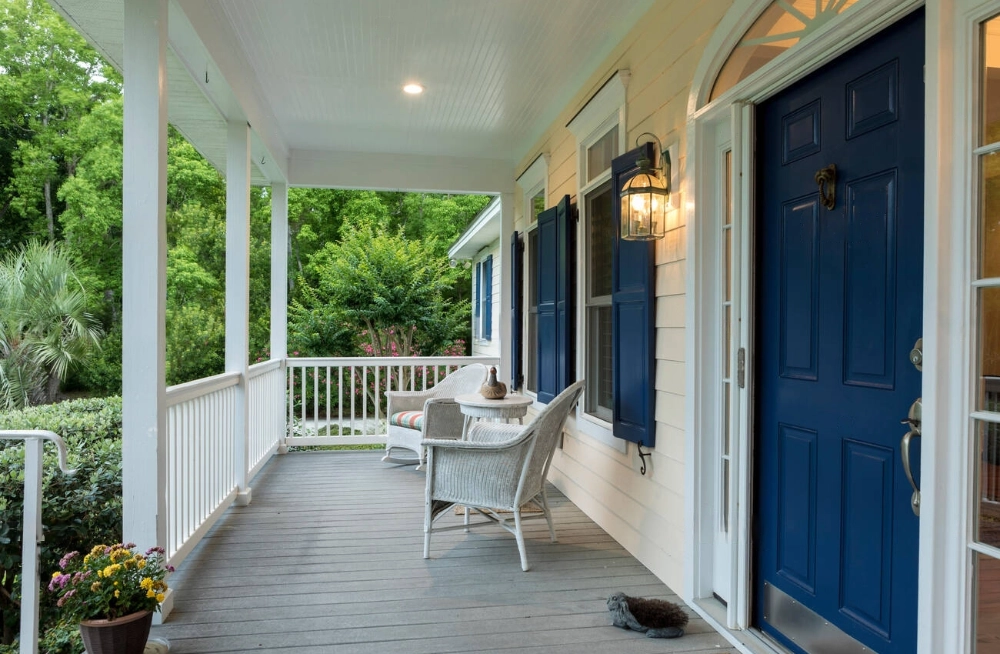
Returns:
<point x="826" y="179"/>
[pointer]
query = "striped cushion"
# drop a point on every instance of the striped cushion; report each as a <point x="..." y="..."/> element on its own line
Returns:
<point x="411" y="419"/>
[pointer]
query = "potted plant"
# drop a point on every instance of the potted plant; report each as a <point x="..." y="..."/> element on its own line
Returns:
<point x="113" y="592"/>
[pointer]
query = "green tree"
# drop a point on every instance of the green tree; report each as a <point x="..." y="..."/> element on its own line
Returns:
<point x="52" y="78"/>
<point x="45" y="327"/>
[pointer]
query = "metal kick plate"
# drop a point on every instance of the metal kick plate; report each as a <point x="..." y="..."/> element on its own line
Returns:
<point x="806" y="628"/>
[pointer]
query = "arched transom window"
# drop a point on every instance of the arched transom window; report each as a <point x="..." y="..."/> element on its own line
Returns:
<point x="783" y="24"/>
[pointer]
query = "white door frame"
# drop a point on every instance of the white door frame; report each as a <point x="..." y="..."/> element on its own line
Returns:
<point x="943" y="609"/>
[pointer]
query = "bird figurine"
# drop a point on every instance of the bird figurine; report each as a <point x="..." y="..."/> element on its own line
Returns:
<point x="493" y="389"/>
<point x="657" y="618"/>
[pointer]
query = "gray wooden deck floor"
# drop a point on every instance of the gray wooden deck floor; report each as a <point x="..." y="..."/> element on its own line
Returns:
<point x="328" y="559"/>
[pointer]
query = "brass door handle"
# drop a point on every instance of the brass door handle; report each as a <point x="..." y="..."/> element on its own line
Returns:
<point x="904" y="450"/>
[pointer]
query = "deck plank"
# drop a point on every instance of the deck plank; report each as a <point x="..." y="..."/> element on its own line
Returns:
<point x="328" y="558"/>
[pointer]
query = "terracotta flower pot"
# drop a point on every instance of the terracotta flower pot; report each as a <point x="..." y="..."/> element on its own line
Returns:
<point x="124" y="635"/>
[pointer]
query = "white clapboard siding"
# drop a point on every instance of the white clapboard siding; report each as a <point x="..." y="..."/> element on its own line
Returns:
<point x="644" y="513"/>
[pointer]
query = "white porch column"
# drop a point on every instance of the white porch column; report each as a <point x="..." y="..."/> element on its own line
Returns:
<point x="279" y="283"/>
<point x="506" y="281"/>
<point x="279" y="270"/>
<point x="238" y="290"/>
<point x="144" y="236"/>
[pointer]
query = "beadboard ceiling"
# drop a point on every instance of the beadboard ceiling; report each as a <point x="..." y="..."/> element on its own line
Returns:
<point x="321" y="79"/>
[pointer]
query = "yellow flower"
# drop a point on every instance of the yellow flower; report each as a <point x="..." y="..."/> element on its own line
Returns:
<point x="117" y="593"/>
<point x="160" y="598"/>
<point x="96" y="586"/>
<point x="146" y="583"/>
<point x="56" y="574"/>
<point x="140" y="563"/>
<point x="150" y="593"/>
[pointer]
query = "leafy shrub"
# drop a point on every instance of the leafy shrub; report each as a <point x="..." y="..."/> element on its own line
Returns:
<point x="77" y="511"/>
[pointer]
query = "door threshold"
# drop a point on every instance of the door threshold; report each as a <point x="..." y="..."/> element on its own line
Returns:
<point x="746" y="641"/>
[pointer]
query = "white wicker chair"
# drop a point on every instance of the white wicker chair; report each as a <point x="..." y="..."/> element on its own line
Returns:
<point x="432" y="413"/>
<point x="497" y="468"/>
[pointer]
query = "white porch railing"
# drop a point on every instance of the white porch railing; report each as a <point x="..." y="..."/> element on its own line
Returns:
<point x="266" y="404"/>
<point x="341" y="401"/>
<point x="342" y="396"/>
<point x="34" y="441"/>
<point x="200" y="459"/>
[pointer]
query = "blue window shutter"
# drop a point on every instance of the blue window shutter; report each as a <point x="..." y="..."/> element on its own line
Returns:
<point x="556" y="353"/>
<point x="566" y="294"/>
<point x="546" y="342"/>
<point x="632" y="325"/>
<point x="516" y="316"/>
<point x="488" y="301"/>
<point x="478" y="300"/>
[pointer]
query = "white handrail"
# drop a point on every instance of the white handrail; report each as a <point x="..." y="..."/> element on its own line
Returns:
<point x="263" y="368"/>
<point x="200" y="387"/>
<point x="34" y="441"/>
<point x="396" y="361"/>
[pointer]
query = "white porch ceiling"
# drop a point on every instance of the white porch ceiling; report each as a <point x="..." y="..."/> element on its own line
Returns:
<point x="320" y="80"/>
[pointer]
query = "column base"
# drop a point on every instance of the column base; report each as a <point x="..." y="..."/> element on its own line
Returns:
<point x="244" y="497"/>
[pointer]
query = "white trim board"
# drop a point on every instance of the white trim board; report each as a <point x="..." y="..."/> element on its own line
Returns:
<point x="484" y="230"/>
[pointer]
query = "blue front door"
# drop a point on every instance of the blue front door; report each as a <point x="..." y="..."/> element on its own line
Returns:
<point x="839" y="250"/>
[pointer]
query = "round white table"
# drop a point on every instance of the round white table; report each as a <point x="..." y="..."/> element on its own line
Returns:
<point x="476" y="407"/>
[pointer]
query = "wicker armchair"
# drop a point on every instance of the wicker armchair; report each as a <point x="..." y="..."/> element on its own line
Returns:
<point x="416" y="415"/>
<point x="497" y="468"/>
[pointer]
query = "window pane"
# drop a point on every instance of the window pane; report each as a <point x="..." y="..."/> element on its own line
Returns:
<point x="989" y="349"/>
<point x="599" y="364"/>
<point x="725" y="496"/>
<point x="728" y="181"/>
<point x="991" y="82"/>
<point x="987" y="605"/>
<point x="600" y="241"/>
<point x="727" y="388"/>
<point x="988" y="485"/>
<point x="600" y="154"/>
<point x="727" y="346"/>
<point x="537" y="205"/>
<point x="780" y="27"/>
<point x="989" y="253"/>
<point x="728" y="254"/>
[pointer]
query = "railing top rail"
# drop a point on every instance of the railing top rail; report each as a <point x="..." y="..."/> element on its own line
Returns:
<point x="42" y="435"/>
<point x="200" y="387"/>
<point x="395" y="361"/>
<point x="263" y="367"/>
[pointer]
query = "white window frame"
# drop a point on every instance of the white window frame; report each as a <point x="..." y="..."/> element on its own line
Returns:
<point x="605" y="111"/>
<point x="534" y="180"/>
<point x="479" y="322"/>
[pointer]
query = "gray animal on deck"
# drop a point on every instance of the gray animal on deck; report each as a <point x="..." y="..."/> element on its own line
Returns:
<point x="657" y="618"/>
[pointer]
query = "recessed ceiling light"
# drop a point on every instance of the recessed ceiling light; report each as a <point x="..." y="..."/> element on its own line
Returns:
<point x="413" y="89"/>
